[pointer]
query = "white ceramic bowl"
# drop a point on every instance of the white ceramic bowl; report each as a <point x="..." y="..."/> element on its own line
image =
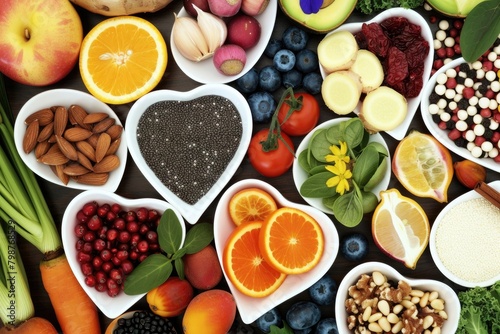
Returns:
<point x="112" y="307"/>
<point x="413" y="17"/>
<point x="300" y="175"/>
<point x="251" y="308"/>
<point x="452" y="304"/>
<point x="205" y="71"/>
<point x="481" y="248"/>
<point x="66" y="98"/>
<point x="442" y="135"/>
<point x="190" y="212"/>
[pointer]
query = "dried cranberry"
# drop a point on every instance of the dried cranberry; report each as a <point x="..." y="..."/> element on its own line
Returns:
<point x="396" y="67"/>
<point x="377" y="41"/>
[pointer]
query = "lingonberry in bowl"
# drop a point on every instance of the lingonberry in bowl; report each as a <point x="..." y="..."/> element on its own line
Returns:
<point x="105" y="236"/>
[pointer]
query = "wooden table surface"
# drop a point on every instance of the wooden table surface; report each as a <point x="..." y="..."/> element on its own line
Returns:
<point x="134" y="185"/>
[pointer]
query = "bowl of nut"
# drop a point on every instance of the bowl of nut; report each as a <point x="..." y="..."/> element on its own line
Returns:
<point x="374" y="296"/>
<point x="72" y="139"/>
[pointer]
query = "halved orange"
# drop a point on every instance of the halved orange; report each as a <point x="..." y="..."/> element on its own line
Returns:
<point x="251" y="204"/>
<point x="291" y="241"/>
<point x="244" y="265"/>
<point x="122" y="58"/>
<point x="400" y="227"/>
<point x="423" y="166"/>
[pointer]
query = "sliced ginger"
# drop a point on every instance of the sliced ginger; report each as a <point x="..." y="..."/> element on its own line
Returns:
<point x="369" y="68"/>
<point x="383" y="109"/>
<point x="341" y="91"/>
<point x="337" y="51"/>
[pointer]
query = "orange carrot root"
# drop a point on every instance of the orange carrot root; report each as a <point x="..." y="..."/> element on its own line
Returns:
<point x="75" y="311"/>
<point x="33" y="325"/>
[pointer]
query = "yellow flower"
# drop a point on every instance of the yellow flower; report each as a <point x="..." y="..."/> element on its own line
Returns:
<point x="340" y="180"/>
<point x="339" y="153"/>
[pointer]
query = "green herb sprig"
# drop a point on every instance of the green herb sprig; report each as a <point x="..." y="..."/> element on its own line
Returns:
<point x="157" y="268"/>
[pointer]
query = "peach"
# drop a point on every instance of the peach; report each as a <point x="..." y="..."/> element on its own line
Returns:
<point x="170" y="298"/>
<point x="202" y="269"/>
<point x="210" y="312"/>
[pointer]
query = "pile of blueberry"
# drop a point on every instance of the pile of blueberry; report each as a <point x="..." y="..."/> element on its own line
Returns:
<point x="293" y="65"/>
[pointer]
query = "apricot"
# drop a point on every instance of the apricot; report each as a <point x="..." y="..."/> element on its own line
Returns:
<point x="202" y="269"/>
<point x="170" y="298"/>
<point x="210" y="312"/>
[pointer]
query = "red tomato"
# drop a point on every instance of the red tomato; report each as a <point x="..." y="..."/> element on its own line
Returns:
<point x="273" y="162"/>
<point x="302" y="120"/>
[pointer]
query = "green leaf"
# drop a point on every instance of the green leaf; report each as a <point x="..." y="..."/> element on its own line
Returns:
<point x="306" y="161"/>
<point x="328" y="201"/>
<point x="179" y="253"/>
<point x="381" y="149"/>
<point x="179" y="268"/>
<point x="481" y="29"/>
<point x="198" y="237"/>
<point x="169" y="232"/>
<point x="317" y="169"/>
<point x="378" y="176"/>
<point x="365" y="166"/>
<point x="334" y="134"/>
<point x="285" y="330"/>
<point x="149" y="274"/>
<point x="348" y="209"/>
<point x="354" y="133"/>
<point x="320" y="146"/>
<point x="315" y="186"/>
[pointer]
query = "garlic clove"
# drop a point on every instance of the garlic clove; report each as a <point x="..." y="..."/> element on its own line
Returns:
<point x="189" y="39"/>
<point x="213" y="28"/>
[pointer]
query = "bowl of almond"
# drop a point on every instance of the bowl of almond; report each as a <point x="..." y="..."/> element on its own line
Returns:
<point x="72" y="139"/>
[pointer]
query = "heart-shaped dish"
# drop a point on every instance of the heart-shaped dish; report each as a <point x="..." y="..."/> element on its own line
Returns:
<point x="413" y="17"/>
<point x="451" y="302"/>
<point x="205" y="71"/>
<point x="112" y="307"/>
<point x="252" y="308"/>
<point x="191" y="212"/>
<point x="66" y="98"/>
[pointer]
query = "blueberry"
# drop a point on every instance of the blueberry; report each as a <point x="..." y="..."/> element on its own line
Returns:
<point x="312" y="82"/>
<point x="271" y="317"/>
<point x="249" y="82"/>
<point x="272" y="47"/>
<point x="354" y="246"/>
<point x="306" y="61"/>
<point x="292" y="78"/>
<point x="284" y="60"/>
<point x="303" y="314"/>
<point x="327" y="326"/>
<point x="269" y="79"/>
<point x="294" y="38"/>
<point x="323" y="292"/>
<point x="262" y="105"/>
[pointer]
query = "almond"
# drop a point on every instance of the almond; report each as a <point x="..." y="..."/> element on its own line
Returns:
<point x="41" y="148"/>
<point x="52" y="139"/>
<point x="95" y="117"/>
<point x="77" y="115"/>
<point x="75" y="169"/>
<point x="84" y="161"/>
<point x="30" y="136"/>
<point x="77" y="134"/>
<point x="103" y="125"/>
<point x="115" y="131"/>
<point x="108" y="164"/>
<point x="86" y="149"/>
<point x="60" y="120"/>
<point x="44" y="117"/>
<point x="53" y="158"/>
<point x="58" y="170"/>
<point x="94" y="179"/>
<point x="103" y="143"/>
<point x="46" y="132"/>
<point x="92" y="140"/>
<point x="67" y="148"/>
<point x="115" y="144"/>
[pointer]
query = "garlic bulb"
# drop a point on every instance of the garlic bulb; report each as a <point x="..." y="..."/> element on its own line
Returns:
<point x="213" y="28"/>
<point x="189" y="39"/>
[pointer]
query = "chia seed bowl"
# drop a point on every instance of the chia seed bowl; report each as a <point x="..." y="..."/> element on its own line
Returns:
<point x="189" y="144"/>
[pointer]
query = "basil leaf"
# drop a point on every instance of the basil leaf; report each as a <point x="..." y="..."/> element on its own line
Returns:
<point x="365" y="165"/>
<point x="179" y="267"/>
<point x="169" y="232"/>
<point x="348" y="209"/>
<point x="315" y="186"/>
<point x="198" y="237"/>
<point x="150" y="273"/>
<point x="481" y="29"/>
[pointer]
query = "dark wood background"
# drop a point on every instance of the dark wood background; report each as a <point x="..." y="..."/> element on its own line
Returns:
<point x="134" y="185"/>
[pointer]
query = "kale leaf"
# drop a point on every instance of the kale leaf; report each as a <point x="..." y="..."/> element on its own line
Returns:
<point x="371" y="6"/>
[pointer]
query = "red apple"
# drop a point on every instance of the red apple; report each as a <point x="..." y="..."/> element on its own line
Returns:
<point x="39" y="41"/>
<point x="243" y="30"/>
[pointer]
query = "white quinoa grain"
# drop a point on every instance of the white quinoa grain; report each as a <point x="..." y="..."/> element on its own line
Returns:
<point x="467" y="240"/>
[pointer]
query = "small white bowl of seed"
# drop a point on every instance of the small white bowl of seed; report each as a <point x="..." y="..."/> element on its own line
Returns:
<point x="72" y="139"/>
<point x="374" y="296"/>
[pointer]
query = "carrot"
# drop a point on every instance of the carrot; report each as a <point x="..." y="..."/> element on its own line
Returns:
<point x="33" y="325"/>
<point x="75" y="311"/>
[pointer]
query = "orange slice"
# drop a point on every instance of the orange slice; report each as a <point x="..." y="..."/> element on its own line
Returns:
<point x="291" y="241"/>
<point x="122" y="58"/>
<point x="244" y="265"/>
<point x="252" y="204"/>
<point x="423" y="166"/>
<point x="400" y="227"/>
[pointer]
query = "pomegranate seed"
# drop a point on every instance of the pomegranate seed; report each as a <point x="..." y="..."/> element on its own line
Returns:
<point x="132" y="227"/>
<point x="80" y="230"/>
<point x="152" y="236"/>
<point x="106" y="255"/>
<point x="99" y="245"/>
<point x="127" y="266"/>
<point x="90" y="280"/>
<point x="90" y="208"/>
<point x="116" y="208"/>
<point x="103" y="210"/>
<point x="119" y="224"/>
<point x="81" y="217"/>
<point x="107" y="266"/>
<point x="87" y="268"/>
<point x="82" y="257"/>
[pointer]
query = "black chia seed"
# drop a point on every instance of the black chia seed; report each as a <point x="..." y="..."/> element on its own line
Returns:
<point x="188" y="144"/>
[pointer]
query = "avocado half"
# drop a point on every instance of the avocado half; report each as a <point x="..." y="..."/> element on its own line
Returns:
<point x="325" y="20"/>
<point x="454" y="8"/>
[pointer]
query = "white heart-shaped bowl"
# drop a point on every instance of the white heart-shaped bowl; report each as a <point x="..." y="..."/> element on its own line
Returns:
<point x="476" y="233"/>
<point x="66" y="98"/>
<point x="451" y="302"/>
<point x="205" y="71"/>
<point x="413" y="17"/>
<point x="251" y="308"/>
<point x="300" y="175"/>
<point x="442" y="135"/>
<point x="112" y="307"/>
<point x="190" y="212"/>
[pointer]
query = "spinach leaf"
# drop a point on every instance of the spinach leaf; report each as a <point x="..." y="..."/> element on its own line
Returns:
<point x="348" y="209"/>
<point x="354" y="132"/>
<point x="315" y="186"/>
<point x="320" y="146"/>
<point x="365" y="166"/>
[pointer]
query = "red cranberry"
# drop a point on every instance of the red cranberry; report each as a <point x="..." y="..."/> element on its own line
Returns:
<point x="130" y="216"/>
<point x="143" y="246"/>
<point x="124" y="236"/>
<point x="143" y="229"/>
<point x="107" y="266"/>
<point x="90" y="281"/>
<point x="112" y="234"/>
<point x="81" y="217"/>
<point x="102" y="233"/>
<point x="116" y="261"/>
<point x="105" y="255"/>
<point x="134" y="255"/>
<point x="97" y="262"/>
<point x="82" y="257"/>
<point x="154" y="247"/>
<point x="87" y="268"/>
<point x="101" y="277"/>
<point x="142" y="257"/>
<point x="90" y="208"/>
<point x="79" y="244"/>
<point x="116" y="275"/>
<point x="94" y="223"/>
<point x="134" y="239"/>
<point x="99" y="244"/>
<point x="122" y="255"/>
<point x="152" y="236"/>
<point x="132" y="227"/>
<point x="101" y="287"/>
<point x="127" y="267"/>
<point x="89" y="236"/>
<point x="116" y="208"/>
<point x="142" y="214"/>
<point x="87" y="248"/>
<point x="119" y="224"/>
<point x="111" y="216"/>
<point x="80" y="230"/>
<point x="153" y="215"/>
<point x="113" y="292"/>
<point x="103" y="210"/>
<point x="123" y="246"/>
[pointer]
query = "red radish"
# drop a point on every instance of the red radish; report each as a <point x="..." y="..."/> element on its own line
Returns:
<point x="243" y="30"/>
<point x="230" y="59"/>
<point x="224" y="8"/>
<point x="201" y="4"/>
